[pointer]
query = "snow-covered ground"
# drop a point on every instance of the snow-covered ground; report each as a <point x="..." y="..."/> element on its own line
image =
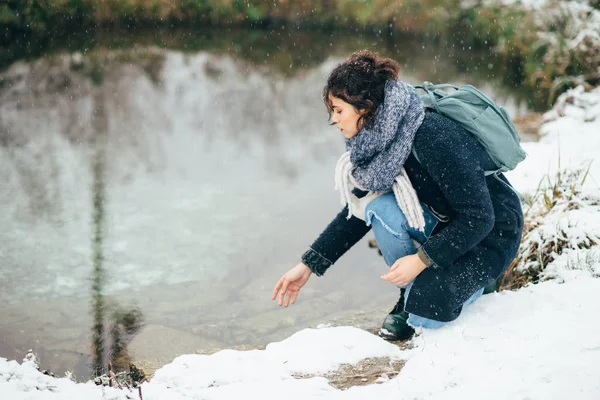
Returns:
<point x="540" y="342"/>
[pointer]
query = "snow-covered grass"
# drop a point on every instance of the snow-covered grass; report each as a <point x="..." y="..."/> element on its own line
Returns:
<point x="539" y="342"/>
<point x="560" y="179"/>
<point x="567" y="48"/>
<point x="559" y="218"/>
<point x="552" y="45"/>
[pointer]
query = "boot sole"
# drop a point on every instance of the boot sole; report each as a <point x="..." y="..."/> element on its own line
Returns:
<point x="384" y="334"/>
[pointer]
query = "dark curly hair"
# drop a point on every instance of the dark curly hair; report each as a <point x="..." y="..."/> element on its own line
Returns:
<point x="360" y="81"/>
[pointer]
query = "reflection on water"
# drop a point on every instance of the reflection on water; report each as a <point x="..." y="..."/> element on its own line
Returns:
<point x="121" y="324"/>
<point x="98" y="221"/>
<point x="178" y="187"/>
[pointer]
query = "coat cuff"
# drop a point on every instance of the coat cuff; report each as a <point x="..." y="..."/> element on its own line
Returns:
<point x="424" y="257"/>
<point x="316" y="262"/>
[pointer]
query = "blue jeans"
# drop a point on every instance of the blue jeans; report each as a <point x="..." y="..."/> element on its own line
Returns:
<point x="396" y="239"/>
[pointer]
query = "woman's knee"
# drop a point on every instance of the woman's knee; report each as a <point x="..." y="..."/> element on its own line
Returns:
<point x="384" y="212"/>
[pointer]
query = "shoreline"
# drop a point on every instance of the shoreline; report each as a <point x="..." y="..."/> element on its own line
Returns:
<point x="547" y="61"/>
<point x="450" y="23"/>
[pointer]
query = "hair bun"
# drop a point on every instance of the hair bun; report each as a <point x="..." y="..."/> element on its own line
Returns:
<point x="370" y="63"/>
<point x="363" y="61"/>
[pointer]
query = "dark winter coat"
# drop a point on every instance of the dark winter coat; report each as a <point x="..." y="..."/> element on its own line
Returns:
<point x="473" y="248"/>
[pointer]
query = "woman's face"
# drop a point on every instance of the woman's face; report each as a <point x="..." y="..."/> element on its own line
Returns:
<point x="345" y="117"/>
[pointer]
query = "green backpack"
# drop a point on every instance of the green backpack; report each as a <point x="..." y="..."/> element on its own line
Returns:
<point x="481" y="116"/>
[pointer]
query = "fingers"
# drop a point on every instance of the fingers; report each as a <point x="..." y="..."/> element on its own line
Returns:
<point x="392" y="279"/>
<point x="284" y="289"/>
<point x="294" y="297"/>
<point x="392" y="273"/>
<point x="284" y="293"/>
<point x="397" y="277"/>
<point x="399" y="281"/>
<point x="277" y="288"/>
<point x="291" y="296"/>
<point x="394" y="266"/>
<point x="288" y="297"/>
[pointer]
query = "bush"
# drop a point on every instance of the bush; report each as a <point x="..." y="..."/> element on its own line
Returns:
<point x="551" y="227"/>
<point x="566" y="52"/>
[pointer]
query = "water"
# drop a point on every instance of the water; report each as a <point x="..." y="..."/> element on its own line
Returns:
<point x="167" y="183"/>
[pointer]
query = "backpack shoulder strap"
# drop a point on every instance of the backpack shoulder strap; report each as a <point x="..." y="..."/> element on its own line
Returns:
<point x="508" y="185"/>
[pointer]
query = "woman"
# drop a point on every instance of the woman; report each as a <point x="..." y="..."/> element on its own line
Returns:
<point x="444" y="228"/>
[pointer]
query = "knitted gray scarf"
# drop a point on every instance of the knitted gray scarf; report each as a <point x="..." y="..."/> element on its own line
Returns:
<point x="375" y="157"/>
<point x="378" y="154"/>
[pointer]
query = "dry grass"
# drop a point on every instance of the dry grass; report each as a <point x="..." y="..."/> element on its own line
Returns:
<point x="366" y="372"/>
<point x="538" y="247"/>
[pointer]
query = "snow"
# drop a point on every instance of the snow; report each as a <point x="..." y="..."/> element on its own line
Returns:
<point x="309" y="351"/>
<point x="573" y="264"/>
<point x="540" y="342"/>
<point x="569" y="140"/>
<point x="533" y="341"/>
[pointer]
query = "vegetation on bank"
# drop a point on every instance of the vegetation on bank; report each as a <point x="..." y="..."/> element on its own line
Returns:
<point x="544" y="59"/>
<point x="549" y="232"/>
<point x="549" y="50"/>
<point x="436" y="18"/>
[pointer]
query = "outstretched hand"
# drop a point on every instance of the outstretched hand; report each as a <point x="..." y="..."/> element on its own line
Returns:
<point x="404" y="270"/>
<point x="290" y="284"/>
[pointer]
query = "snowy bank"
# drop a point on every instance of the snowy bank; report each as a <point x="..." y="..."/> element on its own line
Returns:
<point x="560" y="181"/>
<point x="538" y="343"/>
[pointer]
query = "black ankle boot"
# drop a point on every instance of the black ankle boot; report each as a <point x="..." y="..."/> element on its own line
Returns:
<point x="394" y="326"/>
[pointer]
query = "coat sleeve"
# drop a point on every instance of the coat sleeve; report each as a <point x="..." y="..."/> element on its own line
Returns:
<point x="337" y="238"/>
<point x="451" y="157"/>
